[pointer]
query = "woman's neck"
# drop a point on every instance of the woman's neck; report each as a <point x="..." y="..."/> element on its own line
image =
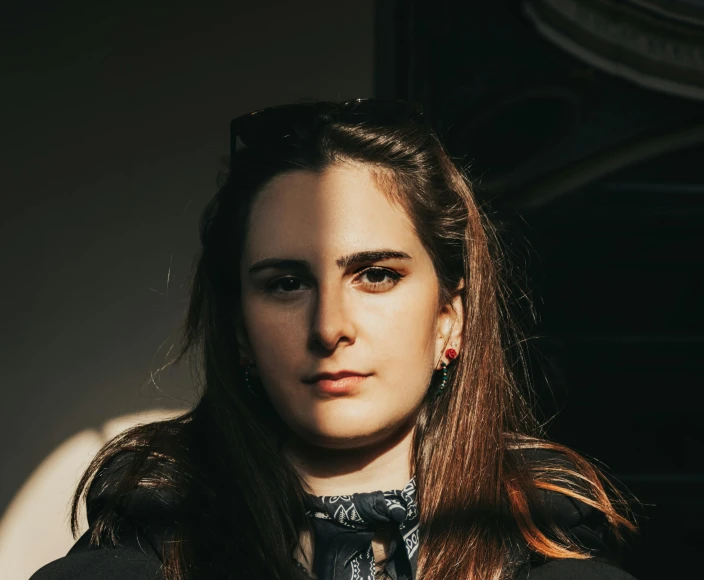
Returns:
<point x="380" y="467"/>
<point x="385" y="465"/>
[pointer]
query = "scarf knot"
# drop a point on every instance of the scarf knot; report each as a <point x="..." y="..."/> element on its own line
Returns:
<point x="344" y="526"/>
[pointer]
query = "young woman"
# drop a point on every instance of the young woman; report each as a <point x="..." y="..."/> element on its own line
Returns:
<point x="359" y="417"/>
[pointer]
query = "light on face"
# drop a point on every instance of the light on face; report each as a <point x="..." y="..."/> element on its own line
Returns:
<point x="268" y="273"/>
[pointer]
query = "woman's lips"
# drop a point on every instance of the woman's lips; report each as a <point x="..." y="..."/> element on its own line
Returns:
<point x="341" y="386"/>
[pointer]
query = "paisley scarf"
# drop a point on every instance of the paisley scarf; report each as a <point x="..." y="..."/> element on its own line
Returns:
<point x="344" y="526"/>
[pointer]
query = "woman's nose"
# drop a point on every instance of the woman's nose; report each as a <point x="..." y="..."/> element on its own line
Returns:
<point x="332" y="317"/>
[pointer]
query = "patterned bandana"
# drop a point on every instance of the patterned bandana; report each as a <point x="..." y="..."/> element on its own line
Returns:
<point x="344" y="526"/>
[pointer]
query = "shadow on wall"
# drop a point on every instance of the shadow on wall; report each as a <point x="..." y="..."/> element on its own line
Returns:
<point x="35" y="528"/>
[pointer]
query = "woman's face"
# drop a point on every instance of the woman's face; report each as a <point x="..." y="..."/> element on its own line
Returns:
<point x="378" y="317"/>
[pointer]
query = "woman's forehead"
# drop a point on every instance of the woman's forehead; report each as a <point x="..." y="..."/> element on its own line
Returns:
<point x="339" y="210"/>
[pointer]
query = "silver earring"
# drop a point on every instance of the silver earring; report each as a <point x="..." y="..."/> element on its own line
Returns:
<point x="254" y="391"/>
<point x="440" y="388"/>
<point x="451" y="353"/>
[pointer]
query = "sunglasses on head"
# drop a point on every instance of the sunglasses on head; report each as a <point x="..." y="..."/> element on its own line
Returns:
<point x="282" y="123"/>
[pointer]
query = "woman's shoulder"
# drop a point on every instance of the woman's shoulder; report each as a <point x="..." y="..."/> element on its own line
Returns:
<point x="137" y="556"/>
<point x="574" y="569"/>
<point x="585" y="525"/>
<point x="119" y="563"/>
<point x="140" y="533"/>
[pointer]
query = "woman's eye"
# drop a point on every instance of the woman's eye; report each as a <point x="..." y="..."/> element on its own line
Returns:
<point x="380" y="274"/>
<point x="287" y="283"/>
<point x="376" y="277"/>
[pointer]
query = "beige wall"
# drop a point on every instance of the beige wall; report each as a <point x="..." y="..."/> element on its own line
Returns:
<point x="35" y="529"/>
<point x="115" y="118"/>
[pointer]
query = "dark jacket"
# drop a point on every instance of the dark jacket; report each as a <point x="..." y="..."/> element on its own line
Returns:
<point x="138" y="556"/>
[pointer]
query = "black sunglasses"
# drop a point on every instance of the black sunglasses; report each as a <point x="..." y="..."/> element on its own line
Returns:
<point x="282" y="123"/>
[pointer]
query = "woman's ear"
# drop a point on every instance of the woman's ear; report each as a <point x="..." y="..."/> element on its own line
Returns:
<point x="457" y="312"/>
<point x="455" y="337"/>
<point x="241" y="336"/>
<point x="451" y="322"/>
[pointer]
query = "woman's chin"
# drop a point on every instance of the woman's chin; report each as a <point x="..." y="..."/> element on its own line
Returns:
<point x="348" y="431"/>
<point x="340" y="436"/>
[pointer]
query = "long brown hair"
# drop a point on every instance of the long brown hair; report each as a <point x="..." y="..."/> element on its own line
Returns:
<point x="216" y="473"/>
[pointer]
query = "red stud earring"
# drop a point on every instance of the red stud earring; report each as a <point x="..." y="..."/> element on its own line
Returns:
<point x="451" y="353"/>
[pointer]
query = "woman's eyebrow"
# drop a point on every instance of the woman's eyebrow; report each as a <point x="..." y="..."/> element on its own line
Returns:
<point x="342" y="262"/>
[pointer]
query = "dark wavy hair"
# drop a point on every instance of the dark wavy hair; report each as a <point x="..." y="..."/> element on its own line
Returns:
<point x="216" y="474"/>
